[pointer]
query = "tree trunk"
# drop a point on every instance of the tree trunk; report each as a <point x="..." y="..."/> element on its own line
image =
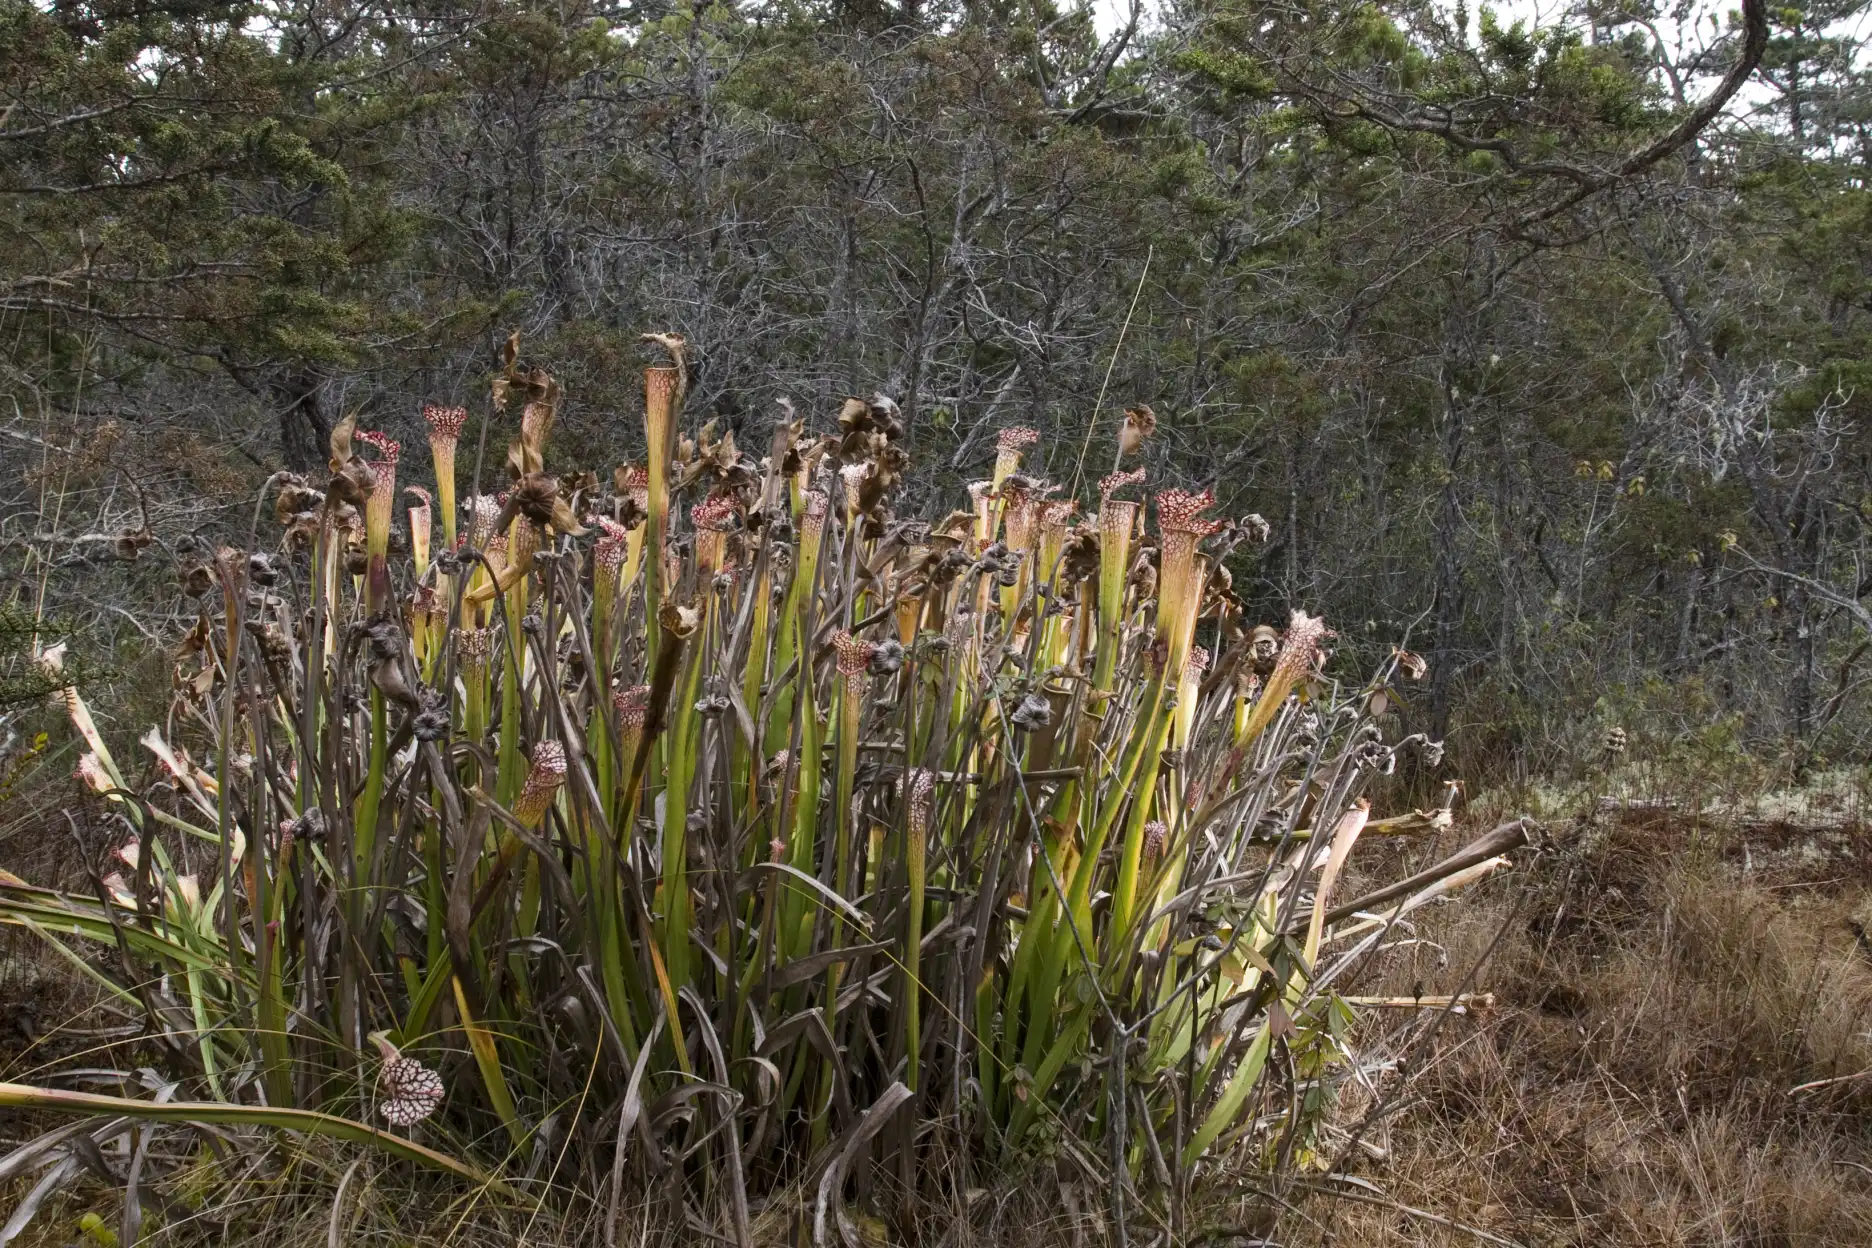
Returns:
<point x="1447" y="532"/>
<point x="305" y="426"/>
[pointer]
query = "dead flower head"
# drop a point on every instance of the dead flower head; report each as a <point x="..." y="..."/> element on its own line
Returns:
<point x="1139" y="423"/>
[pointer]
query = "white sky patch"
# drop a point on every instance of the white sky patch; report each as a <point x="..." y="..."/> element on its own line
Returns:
<point x="1684" y="28"/>
<point x="1110" y="16"/>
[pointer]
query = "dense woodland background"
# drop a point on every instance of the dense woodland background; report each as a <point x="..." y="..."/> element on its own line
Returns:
<point x="1544" y="350"/>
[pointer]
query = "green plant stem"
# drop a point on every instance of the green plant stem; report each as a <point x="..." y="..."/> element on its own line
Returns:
<point x="92" y="1104"/>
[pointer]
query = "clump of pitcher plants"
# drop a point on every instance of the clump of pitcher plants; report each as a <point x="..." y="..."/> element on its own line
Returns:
<point x="704" y="825"/>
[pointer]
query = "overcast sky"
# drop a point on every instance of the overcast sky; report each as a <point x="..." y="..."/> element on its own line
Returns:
<point x="1110" y="15"/>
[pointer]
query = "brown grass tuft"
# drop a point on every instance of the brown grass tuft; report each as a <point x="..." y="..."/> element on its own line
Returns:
<point x="1660" y="995"/>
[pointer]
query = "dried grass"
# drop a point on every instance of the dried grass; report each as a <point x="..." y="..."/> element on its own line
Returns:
<point x="1657" y="1002"/>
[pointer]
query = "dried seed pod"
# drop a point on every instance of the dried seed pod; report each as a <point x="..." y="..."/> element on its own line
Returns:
<point x="1033" y="712"/>
<point x="952" y="564"/>
<point x="1079" y="555"/>
<point x="679" y="620"/>
<point x="388" y="679"/>
<point x="261" y="569"/>
<point x="431" y="722"/>
<point x="536" y="496"/>
<point x="274" y="645"/>
<point x="130" y="543"/>
<point x="309" y="827"/>
<point x="383" y="638"/>
<point x="295" y="497"/>
<point x="885" y="414"/>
